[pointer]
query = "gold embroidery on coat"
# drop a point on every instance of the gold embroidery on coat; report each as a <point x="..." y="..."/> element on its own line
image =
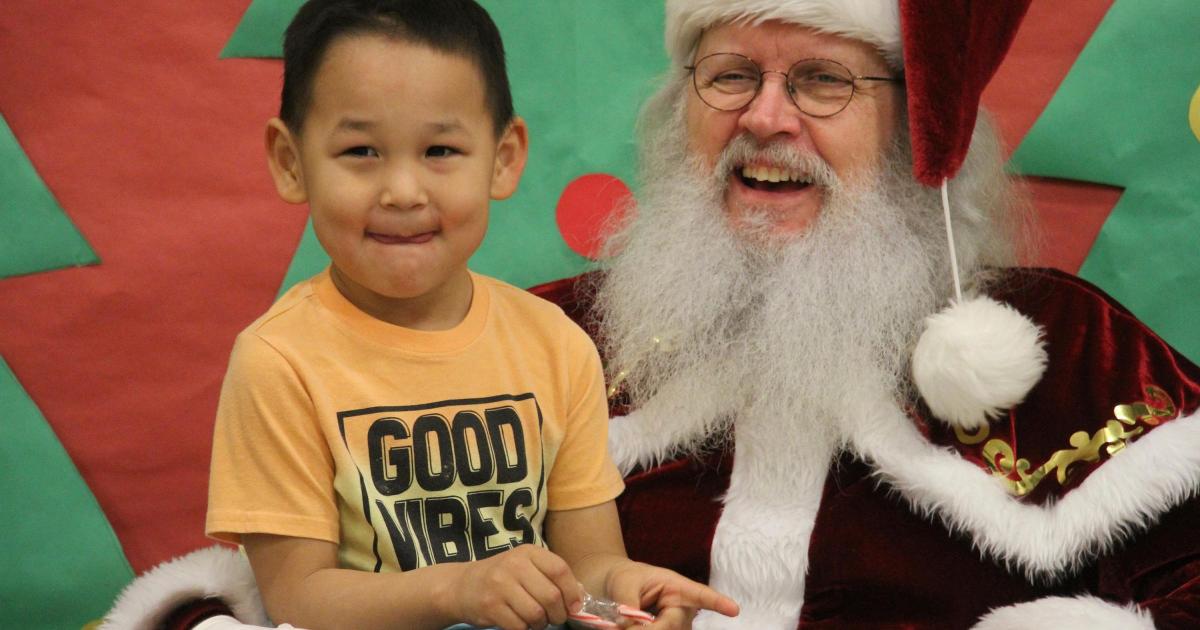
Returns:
<point x="1130" y="422"/>
<point x="656" y="345"/>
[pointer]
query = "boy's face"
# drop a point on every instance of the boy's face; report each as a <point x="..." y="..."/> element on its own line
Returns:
<point x="397" y="159"/>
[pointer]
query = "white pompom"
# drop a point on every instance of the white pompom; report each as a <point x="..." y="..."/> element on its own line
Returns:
<point x="975" y="360"/>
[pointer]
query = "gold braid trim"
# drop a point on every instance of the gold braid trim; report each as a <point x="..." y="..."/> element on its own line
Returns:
<point x="1130" y="422"/>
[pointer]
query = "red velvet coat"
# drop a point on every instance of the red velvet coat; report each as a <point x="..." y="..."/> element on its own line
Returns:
<point x="883" y="557"/>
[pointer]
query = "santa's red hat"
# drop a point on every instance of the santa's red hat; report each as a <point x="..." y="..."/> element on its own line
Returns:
<point x="977" y="357"/>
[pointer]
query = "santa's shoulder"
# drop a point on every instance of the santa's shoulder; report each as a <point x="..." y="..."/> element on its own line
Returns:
<point x="1109" y="383"/>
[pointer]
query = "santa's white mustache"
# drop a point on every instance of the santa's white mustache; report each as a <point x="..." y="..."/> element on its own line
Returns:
<point x="746" y="150"/>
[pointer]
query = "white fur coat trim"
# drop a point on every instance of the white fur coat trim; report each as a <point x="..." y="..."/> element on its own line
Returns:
<point x="215" y="571"/>
<point x="686" y="409"/>
<point x="1067" y="613"/>
<point x="759" y="553"/>
<point x="1127" y="494"/>
<point x="873" y="21"/>
<point x="759" y="557"/>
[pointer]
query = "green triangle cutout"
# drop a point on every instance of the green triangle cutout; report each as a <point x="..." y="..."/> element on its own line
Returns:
<point x="260" y="33"/>
<point x="35" y="234"/>
<point x="63" y="564"/>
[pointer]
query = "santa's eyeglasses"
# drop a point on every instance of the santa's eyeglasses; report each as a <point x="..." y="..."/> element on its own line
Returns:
<point x="818" y="87"/>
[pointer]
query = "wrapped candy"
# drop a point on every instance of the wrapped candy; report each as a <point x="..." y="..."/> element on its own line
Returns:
<point x="602" y="614"/>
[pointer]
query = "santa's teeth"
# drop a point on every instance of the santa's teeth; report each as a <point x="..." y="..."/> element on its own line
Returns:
<point x="773" y="175"/>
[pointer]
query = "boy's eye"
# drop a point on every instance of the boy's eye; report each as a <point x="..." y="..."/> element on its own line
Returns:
<point x="440" y="151"/>
<point x="364" y="151"/>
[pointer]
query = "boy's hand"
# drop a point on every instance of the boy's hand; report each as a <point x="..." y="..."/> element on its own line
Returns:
<point x="524" y="587"/>
<point x="675" y="598"/>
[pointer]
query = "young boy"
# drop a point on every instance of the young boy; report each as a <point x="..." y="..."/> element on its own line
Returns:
<point x="398" y="438"/>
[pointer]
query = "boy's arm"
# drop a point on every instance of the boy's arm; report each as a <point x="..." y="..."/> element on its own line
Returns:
<point x="589" y="540"/>
<point x="524" y="587"/>
<point x="301" y="584"/>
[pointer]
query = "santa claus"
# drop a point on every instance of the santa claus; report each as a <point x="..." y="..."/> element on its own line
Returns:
<point x="838" y="400"/>
<point x="804" y="431"/>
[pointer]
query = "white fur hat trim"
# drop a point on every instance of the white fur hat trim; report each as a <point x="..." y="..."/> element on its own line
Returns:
<point x="976" y="359"/>
<point x="876" y="22"/>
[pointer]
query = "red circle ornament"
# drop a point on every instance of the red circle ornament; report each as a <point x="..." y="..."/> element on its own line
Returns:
<point x="587" y="209"/>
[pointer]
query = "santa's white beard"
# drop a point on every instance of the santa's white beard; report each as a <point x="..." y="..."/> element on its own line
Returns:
<point x="773" y="341"/>
<point x="785" y="344"/>
<point x="780" y="336"/>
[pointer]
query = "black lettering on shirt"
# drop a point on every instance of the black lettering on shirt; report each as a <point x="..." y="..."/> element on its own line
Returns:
<point x="446" y="521"/>
<point x="433" y="428"/>
<point x="514" y="520"/>
<point x="499" y="419"/>
<point x="468" y="430"/>
<point x="449" y="481"/>
<point x="385" y="457"/>
<point x="405" y="538"/>
<point x="484" y="528"/>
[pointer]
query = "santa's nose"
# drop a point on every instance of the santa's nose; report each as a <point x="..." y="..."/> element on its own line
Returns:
<point x="772" y="112"/>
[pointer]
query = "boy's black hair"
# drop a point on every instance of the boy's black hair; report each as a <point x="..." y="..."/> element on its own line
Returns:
<point x="458" y="27"/>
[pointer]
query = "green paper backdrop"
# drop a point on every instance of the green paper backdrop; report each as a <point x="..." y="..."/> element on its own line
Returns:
<point x="1121" y="117"/>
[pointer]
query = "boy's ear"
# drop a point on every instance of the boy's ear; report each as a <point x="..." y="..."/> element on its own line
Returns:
<point x="283" y="158"/>
<point x="511" y="154"/>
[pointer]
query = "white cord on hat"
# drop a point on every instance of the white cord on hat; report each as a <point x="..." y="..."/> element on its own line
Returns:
<point x="950" y="239"/>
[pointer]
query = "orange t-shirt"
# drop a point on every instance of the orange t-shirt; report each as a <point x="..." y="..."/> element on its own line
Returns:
<point x="409" y="448"/>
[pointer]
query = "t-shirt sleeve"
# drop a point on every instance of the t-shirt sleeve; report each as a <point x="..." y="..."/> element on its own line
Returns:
<point x="584" y="474"/>
<point x="272" y="472"/>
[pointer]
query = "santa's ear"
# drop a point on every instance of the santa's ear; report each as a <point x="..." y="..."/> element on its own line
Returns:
<point x="283" y="159"/>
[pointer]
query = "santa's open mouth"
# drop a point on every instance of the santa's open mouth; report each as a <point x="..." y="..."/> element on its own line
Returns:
<point x="772" y="179"/>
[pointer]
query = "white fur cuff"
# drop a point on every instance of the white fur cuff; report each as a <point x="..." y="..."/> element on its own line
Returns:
<point x="1067" y="613"/>
<point x="212" y="572"/>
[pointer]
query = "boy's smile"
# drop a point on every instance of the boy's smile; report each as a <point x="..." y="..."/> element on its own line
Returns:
<point x="389" y="239"/>
<point x="398" y="160"/>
